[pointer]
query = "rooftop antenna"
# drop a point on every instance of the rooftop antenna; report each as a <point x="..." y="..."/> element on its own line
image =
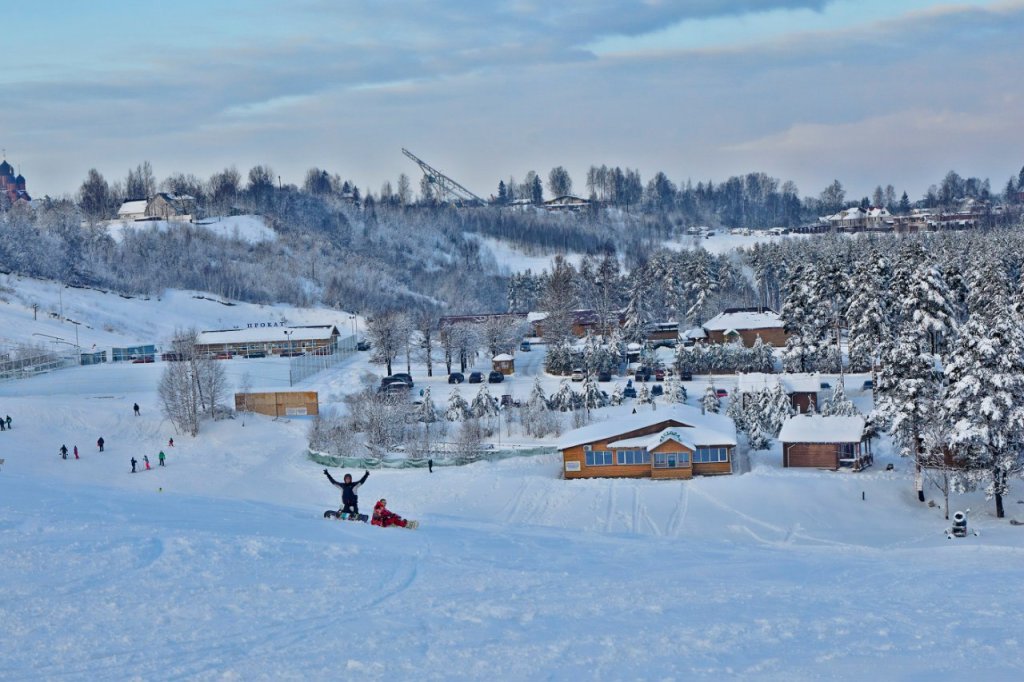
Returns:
<point x="448" y="190"/>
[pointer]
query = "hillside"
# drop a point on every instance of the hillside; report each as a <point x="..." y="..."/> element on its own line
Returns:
<point x="220" y="565"/>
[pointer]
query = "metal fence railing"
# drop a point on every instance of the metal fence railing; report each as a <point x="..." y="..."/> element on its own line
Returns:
<point x="302" y="367"/>
<point x="441" y="457"/>
<point x="22" y="363"/>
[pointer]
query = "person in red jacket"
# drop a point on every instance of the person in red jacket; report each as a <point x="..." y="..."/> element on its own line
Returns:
<point x="384" y="518"/>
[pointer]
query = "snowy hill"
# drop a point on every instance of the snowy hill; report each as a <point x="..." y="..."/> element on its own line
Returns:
<point x="219" y="566"/>
<point x="247" y="228"/>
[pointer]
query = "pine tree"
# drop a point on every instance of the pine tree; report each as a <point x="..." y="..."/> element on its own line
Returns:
<point x="643" y="396"/>
<point x="839" y="405"/>
<point x="483" y="404"/>
<point x="637" y="314"/>
<point x="458" y="408"/>
<point x="617" y="395"/>
<point x="710" y="401"/>
<point x="927" y="310"/>
<point x="985" y="402"/>
<point x="592" y="396"/>
<point x="537" y="397"/>
<point x="736" y="410"/>
<point x="425" y="411"/>
<point x="866" y="317"/>
<point x="762" y="357"/>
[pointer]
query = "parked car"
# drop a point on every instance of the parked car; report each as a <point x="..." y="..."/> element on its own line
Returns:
<point x="291" y="353"/>
<point x="604" y="376"/>
<point x="525" y="347"/>
<point x="255" y="354"/>
<point x="629" y="391"/>
<point x="507" y="401"/>
<point x="641" y="375"/>
<point x="362" y="344"/>
<point x="825" y="385"/>
<point x="406" y="377"/>
<point x="172" y="357"/>
<point x="393" y="379"/>
<point x="577" y="375"/>
<point x="144" y="359"/>
<point x="721" y="392"/>
<point x="657" y="389"/>
<point x="659" y="375"/>
<point x="394" y="388"/>
<point x="456" y="378"/>
<point x="686" y="376"/>
<point x="868" y="385"/>
<point x="226" y="355"/>
<point x="476" y="378"/>
<point x="495" y="377"/>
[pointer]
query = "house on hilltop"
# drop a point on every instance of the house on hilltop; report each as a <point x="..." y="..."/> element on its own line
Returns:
<point x="816" y="441"/>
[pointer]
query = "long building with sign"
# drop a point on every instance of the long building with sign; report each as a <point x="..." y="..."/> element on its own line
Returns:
<point x="269" y="340"/>
<point x="675" y="441"/>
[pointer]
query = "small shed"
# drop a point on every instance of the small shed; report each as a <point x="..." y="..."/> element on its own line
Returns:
<point x="504" y="363"/>
<point x="816" y="441"/>
<point x="279" y="403"/>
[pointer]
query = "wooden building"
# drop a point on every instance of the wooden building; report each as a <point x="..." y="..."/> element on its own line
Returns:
<point x="821" y="442"/>
<point x="672" y="442"/>
<point x="313" y="339"/>
<point x="279" y="403"/>
<point x="504" y="363"/>
<point x="802" y="389"/>
<point x="746" y="324"/>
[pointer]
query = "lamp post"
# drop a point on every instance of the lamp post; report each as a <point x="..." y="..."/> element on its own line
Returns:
<point x="288" y="336"/>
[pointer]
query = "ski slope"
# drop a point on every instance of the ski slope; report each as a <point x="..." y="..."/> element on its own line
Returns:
<point x="219" y="566"/>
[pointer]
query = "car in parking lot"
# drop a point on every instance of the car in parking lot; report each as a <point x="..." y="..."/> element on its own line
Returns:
<point x="362" y="344"/>
<point x="868" y="385"/>
<point x="577" y="375"/>
<point x="394" y="388"/>
<point x="525" y="347"/>
<point x="659" y="375"/>
<point x="721" y="392"/>
<point x="629" y="391"/>
<point x="825" y="385"/>
<point x="686" y="376"/>
<point x="393" y="379"/>
<point x="657" y="389"/>
<point x="495" y="377"/>
<point x="604" y="376"/>
<point x="476" y="378"/>
<point x="404" y="376"/>
<point x="642" y="375"/>
<point x="255" y="354"/>
<point x="144" y="359"/>
<point x="456" y="378"/>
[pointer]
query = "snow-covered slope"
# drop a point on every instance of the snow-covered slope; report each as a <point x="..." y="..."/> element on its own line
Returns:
<point x="248" y="228"/>
<point x="219" y="566"/>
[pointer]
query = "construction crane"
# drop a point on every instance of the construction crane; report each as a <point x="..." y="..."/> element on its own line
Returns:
<point x="446" y="189"/>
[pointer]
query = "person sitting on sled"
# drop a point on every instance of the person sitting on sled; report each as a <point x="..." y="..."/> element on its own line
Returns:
<point x="349" y="499"/>
<point x="384" y="518"/>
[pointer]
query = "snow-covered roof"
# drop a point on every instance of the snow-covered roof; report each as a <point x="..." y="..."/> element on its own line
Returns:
<point x="504" y="357"/>
<point x="264" y="334"/>
<point x="621" y="420"/>
<point x="133" y="208"/>
<point x="694" y="333"/>
<point x="816" y="428"/>
<point x="536" y="317"/>
<point x="791" y="383"/>
<point x="768" y="319"/>
<point x="690" y="436"/>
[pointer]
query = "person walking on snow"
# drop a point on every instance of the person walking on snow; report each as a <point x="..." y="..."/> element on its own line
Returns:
<point x="383" y="517"/>
<point x="145" y="458"/>
<point x="64" y="451"/>
<point x="134" y="462"/>
<point x="136" y="408"/>
<point x="8" y="422"/>
<point x="99" y="443"/>
<point x="2" y="428"/>
<point x="76" y="452"/>
<point x="170" y="443"/>
<point x="161" y="456"/>
<point x="349" y="499"/>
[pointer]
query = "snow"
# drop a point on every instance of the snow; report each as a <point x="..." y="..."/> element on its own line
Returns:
<point x="815" y="428"/>
<point x="133" y="208"/>
<point x="219" y="566"/>
<point x="511" y="258"/>
<point x="503" y="357"/>
<point x="262" y="334"/>
<point x="691" y="437"/>
<point x="752" y="382"/>
<point x="744" y="320"/>
<point x="251" y="229"/>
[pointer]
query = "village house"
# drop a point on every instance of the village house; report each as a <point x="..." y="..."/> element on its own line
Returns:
<point x="584" y="322"/>
<point x="802" y="389"/>
<point x="312" y="339"/>
<point x="163" y="206"/>
<point x="566" y="204"/>
<point x="746" y="324"/>
<point x="858" y="219"/>
<point x="677" y="441"/>
<point x="504" y="363"/>
<point x="816" y="441"/>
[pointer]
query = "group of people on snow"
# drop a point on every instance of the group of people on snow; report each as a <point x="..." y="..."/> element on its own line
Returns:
<point x="145" y="460"/>
<point x="5" y="424"/>
<point x="382" y="516"/>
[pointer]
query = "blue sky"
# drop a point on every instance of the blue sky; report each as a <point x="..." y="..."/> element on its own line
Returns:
<point x="810" y="90"/>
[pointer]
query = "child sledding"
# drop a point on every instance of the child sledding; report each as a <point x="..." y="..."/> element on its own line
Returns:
<point x="349" y="510"/>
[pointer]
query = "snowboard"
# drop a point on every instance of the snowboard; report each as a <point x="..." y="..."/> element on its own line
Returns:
<point x="409" y="525"/>
<point x="336" y="514"/>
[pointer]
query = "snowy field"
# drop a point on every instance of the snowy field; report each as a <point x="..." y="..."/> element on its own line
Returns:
<point x="252" y="229"/>
<point x="219" y="566"/>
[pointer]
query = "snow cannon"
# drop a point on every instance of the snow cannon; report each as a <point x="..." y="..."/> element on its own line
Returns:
<point x="960" y="524"/>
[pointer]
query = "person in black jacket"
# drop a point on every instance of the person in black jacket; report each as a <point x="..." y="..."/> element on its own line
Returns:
<point x="349" y="499"/>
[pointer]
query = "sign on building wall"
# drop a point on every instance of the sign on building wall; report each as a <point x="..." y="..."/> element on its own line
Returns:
<point x="261" y="325"/>
<point x="572" y="466"/>
<point x="295" y="411"/>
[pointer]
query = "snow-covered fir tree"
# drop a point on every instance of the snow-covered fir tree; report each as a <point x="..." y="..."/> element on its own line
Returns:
<point x="617" y="396"/>
<point x="593" y="398"/>
<point x="457" y="409"/>
<point x="985" y="401"/>
<point x="638" y="311"/>
<point x="484" y="405"/>
<point x="643" y="396"/>
<point x="866" y="317"/>
<point x="927" y="310"/>
<point x="710" y="401"/>
<point x="839" y="405"/>
<point x="426" y="412"/>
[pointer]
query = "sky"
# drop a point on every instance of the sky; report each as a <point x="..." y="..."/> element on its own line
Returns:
<point x="864" y="91"/>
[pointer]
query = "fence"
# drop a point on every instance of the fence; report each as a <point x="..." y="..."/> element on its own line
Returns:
<point x="441" y="457"/>
<point x="305" y="366"/>
<point x="22" y="362"/>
